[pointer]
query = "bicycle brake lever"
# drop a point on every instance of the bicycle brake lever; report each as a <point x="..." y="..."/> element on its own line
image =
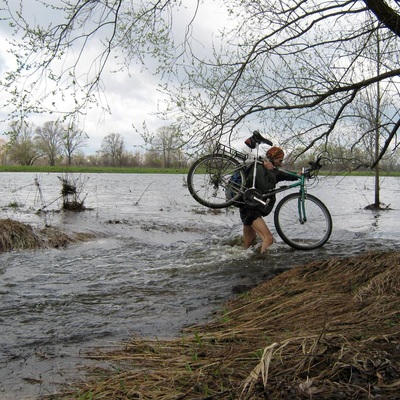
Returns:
<point x="315" y="165"/>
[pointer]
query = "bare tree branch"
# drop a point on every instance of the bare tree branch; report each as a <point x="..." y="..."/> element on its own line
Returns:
<point x="385" y="14"/>
<point x="387" y="143"/>
<point x="294" y="67"/>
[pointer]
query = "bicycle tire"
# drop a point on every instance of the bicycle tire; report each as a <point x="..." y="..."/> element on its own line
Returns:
<point x="308" y="235"/>
<point x="208" y="180"/>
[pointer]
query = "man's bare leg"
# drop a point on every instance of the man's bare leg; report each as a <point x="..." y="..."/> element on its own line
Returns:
<point x="262" y="229"/>
<point x="249" y="236"/>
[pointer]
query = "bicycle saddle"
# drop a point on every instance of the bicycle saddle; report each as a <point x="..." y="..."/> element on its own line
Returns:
<point x="260" y="139"/>
<point x="255" y="139"/>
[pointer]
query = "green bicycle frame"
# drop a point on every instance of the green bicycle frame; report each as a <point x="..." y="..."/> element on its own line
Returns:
<point x="300" y="183"/>
<point x="301" y="205"/>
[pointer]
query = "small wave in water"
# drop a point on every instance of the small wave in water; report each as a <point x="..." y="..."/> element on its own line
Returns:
<point x="156" y="267"/>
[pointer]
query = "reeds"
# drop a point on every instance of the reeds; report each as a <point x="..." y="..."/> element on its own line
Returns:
<point x="327" y="330"/>
<point x="15" y="235"/>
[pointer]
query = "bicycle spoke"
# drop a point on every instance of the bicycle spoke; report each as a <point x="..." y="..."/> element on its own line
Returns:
<point x="209" y="180"/>
<point x="303" y="233"/>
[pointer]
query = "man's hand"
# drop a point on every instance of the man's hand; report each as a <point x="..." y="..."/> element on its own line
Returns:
<point x="268" y="164"/>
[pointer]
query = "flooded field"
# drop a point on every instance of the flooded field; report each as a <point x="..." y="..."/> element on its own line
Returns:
<point x="159" y="262"/>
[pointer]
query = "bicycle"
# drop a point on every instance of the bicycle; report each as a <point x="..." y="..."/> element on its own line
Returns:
<point x="301" y="219"/>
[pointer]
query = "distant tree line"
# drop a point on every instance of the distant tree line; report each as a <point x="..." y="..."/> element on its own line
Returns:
<point x="55" y="143"/>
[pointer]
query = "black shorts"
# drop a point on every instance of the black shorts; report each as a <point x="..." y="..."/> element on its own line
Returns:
<point x="248" y="216"/>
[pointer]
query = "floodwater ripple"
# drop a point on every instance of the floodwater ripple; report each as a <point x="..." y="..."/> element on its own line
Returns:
<point x="158" y="264"/>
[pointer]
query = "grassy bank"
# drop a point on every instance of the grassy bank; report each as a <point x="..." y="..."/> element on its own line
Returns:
<point x="364" y="173"/>
<point x="83" y="169"/>
<point x="145" y="170"/>
<point x="326" y="330"/>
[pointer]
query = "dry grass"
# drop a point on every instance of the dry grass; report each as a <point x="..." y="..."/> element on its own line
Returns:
<point x="15" y="235"/>
<point x="327" y="330"/>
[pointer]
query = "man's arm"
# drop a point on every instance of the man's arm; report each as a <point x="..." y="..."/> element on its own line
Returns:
<point x="282" y="175"/>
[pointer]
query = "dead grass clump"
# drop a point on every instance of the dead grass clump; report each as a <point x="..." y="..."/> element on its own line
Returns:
<point x="75" y="206"/>
<point x="327" y="330"/>
<point x="15" y="235"/>
<point x="56" y="238"/>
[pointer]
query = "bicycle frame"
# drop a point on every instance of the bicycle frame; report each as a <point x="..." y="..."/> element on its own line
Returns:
<point x="300" y="183"/>
<point x="221" y="179"/>
<point x="244" y="159"/>
<point x="303" y="190"/>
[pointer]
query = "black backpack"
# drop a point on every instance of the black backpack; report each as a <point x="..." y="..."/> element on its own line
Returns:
<point x="235" y="181"/>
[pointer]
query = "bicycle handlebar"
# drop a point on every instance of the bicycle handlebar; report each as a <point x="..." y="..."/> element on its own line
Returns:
<point x="314" y="166"/>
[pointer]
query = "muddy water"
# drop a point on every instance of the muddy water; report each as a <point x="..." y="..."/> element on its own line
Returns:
<point x="160" y="262"/>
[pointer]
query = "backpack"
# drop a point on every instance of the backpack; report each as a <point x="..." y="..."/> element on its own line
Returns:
<point x="235" y="181"/>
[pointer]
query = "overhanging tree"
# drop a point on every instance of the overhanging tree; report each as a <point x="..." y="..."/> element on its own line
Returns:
<point x="294" y="66"/>
<point x="377" y="108"/>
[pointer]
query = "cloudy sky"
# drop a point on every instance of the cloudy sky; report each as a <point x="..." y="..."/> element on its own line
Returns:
<point x="133" y="98"/>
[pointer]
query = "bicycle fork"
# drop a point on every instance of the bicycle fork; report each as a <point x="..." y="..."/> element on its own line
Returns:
<point x="301" y="202"/>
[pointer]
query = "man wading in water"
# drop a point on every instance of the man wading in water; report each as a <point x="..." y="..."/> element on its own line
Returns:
<point x="266" y="179"/>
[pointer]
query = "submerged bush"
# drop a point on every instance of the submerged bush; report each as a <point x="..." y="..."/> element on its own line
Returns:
<point x="70" y="191"/>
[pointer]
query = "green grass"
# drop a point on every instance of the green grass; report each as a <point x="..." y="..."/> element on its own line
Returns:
<point x="14" y="204"/>
<point x="145" y="170"/>
<point x="360" y="173"/>
<point x="83" y="169"/>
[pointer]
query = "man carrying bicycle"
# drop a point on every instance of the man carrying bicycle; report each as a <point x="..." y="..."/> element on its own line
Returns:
<point x="267" y="176"/>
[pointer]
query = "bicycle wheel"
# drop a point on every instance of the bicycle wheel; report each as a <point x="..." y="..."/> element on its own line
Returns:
<point x="308" y="234"/>
<point x="210" y="180"/>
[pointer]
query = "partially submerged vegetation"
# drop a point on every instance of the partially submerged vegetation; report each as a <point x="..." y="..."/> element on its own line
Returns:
<point x="71" y="194"/>
<point x="15" y="235"/>
<point x="327" y="330"/>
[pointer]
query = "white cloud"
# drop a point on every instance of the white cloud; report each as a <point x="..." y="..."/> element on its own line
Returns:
<point x="133" y="98"/>
<point x="132" y="101"/>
